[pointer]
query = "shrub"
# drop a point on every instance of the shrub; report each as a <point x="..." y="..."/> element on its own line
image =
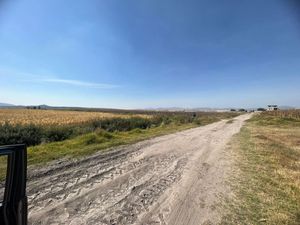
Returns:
<point x="56" y="133"/>
<point x="27" y="134"/>
<point x="261" y="109"/>
<point x="121" y="124"/>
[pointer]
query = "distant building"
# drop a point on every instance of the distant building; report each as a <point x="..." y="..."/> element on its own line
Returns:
<point x="272" y="107"/>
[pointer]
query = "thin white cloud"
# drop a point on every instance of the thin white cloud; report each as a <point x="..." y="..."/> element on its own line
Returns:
<point x="47" y="78"/>
<point x="79" y="83"/>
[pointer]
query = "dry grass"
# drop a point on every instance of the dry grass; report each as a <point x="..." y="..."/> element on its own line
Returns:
<point x="281" y="118"/>
<point x="266" y="179"/>
<point x="294" y="114"/>
<point x="53" y="117"/>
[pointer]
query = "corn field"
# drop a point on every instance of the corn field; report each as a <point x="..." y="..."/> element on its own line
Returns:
<point x="54" y="117"/>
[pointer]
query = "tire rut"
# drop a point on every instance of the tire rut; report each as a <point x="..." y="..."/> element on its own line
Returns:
<point x="142" y="183"/>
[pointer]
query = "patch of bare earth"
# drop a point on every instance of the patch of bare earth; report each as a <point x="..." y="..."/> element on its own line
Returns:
<point x="173" y="179"/>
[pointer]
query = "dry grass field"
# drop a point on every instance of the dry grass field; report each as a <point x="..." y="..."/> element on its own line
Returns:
<point x="54" y="117"/>
<point x="266" y="180"/>
<point x="292" y="114"/>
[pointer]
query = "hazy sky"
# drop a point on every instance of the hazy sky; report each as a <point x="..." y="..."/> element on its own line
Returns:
<point x="150" y="53"/>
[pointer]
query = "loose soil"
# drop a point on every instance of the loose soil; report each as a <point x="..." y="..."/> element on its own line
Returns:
<point x="175" y="179"/>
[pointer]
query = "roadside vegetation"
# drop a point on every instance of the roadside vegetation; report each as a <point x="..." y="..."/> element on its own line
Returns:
<point x="99" y="140"/>
<point x="121" y="133"/>
<point x="35" y="129"/>
<point x="266" y="176"/>
<point x="34" y="134"/>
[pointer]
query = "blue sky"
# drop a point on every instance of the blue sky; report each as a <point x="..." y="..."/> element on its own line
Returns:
<point x="150" y="53"/>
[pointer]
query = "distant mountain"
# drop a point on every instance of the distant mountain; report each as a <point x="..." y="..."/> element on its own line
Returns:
<point x="6" y="105"/>
<point x="179" y="109"/>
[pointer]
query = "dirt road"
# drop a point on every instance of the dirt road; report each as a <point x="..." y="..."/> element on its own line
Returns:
<point x="170" y="180"/>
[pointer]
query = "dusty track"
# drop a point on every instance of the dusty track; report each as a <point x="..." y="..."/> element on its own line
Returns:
<point x="170" y="180"/>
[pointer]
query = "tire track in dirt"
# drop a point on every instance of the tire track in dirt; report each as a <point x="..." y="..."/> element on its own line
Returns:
<point x="166" y="180"/>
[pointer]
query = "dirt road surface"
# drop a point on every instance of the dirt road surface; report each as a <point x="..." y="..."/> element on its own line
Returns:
<point x="175" y="179"/>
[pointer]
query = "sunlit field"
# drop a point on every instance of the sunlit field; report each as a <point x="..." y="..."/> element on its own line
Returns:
<point x="286" y="114"/>
<point x="52" y="134"/>
<point x="53" y="117"/>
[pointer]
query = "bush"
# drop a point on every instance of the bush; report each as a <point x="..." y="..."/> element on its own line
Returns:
<point x="120" y="124"/>
<point x="261" y="109"/>
<point x="56" y="133"/>
<point x="29" y="134"/>
<point x="33" y="134"/>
